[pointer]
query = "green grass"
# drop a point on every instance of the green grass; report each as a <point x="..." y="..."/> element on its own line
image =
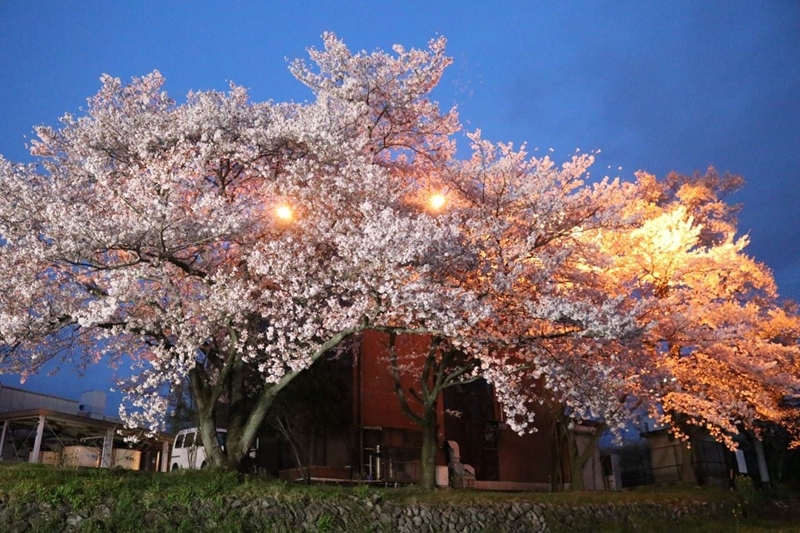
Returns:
<point x="195" y="501"/>
<point x="87" y="486"/>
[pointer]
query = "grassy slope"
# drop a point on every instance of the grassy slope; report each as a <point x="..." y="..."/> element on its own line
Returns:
<point x="138" y="494"/>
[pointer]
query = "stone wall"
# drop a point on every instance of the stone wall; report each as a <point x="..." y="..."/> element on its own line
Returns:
<point x="353" y="514"/>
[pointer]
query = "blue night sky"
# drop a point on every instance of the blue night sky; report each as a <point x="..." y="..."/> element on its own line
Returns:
<point x="657" y="86"/>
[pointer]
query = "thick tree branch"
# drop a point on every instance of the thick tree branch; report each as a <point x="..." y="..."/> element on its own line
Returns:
<point x="398" y="385"/>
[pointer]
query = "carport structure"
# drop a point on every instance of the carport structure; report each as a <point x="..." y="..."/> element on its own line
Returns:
<point x="28" y="435"/>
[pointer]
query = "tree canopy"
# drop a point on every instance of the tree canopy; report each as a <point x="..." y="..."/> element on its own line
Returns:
<point x="234" y="242"/>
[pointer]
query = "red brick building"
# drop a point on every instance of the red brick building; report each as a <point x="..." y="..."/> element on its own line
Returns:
<point x="366" y="435"/>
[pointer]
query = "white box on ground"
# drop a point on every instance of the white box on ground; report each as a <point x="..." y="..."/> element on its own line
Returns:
<point x="129" y="459"/>
<point x="81" y="456"/>
<point x="46" y="458"/>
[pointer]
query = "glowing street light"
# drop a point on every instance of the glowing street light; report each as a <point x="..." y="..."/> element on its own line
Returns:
<point x="284" y="212"/>
<point x="437" y="201"/>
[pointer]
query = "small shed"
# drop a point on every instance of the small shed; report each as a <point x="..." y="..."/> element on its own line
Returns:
<point x="40" y="428"/>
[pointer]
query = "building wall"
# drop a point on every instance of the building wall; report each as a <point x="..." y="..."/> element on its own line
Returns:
<point x="712" y="463"/>
<point x="13" y="399"/>
<point x="666" y="457"/>
<point x="527" y="458"/>
<point x="473" y="419"/>
<point x="383" y="439"/>
<point x="532" y="457"/>
<point x="380" y="406"/>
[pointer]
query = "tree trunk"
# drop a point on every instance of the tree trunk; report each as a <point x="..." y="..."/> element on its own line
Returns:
<point x="243" y="426"/>
<point x="778" y="466"/>
<point x="436" y="376"/>
<point x="575" y="463"/>
<point x="427" y="473"/>
<point x="206" y="420"/>
<point x="579" y="459"/>
<point x="575" y="472"/>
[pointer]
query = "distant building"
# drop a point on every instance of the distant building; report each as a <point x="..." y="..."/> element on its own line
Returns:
<point x="662" y="459"/>
<point x="41" y="428"/>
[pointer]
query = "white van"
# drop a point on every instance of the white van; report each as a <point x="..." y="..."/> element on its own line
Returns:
<point x="188" y="451"/>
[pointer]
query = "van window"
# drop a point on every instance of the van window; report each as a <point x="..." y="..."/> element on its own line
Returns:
<point x="189" y="440"/>
<point x="198" y="438"/>
<point x="179" y="441"/>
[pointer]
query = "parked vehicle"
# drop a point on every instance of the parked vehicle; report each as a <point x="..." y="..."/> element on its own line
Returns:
<point x="188" y="451"/>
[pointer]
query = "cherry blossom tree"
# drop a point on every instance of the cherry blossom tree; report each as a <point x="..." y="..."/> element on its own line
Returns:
<point x="713" y="346"/>
<point x="657" y="309"/>
<point x="724" y="350"/>
<point x="224" y="240"/>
